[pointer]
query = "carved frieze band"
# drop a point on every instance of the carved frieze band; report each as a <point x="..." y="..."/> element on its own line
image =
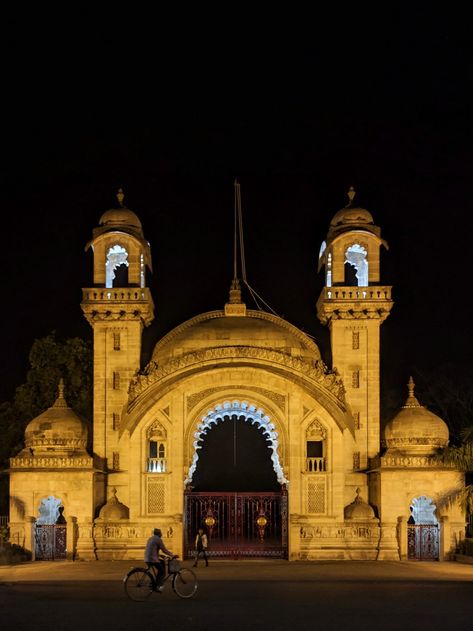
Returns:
<point x="278" y="399"/>
<point x="51" y="462"/>
<point x="315" y="370"/>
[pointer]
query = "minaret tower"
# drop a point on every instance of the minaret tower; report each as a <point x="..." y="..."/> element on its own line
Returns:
<point x="353" y="305"/>
<point x="117" y="307"/>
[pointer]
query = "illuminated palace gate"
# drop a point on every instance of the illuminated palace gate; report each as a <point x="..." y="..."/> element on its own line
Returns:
<point x="238" y="524"/>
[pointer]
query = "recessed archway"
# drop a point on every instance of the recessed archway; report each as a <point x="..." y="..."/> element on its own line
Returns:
<point x="243" y="411"/>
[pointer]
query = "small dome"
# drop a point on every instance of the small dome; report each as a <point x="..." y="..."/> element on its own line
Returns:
<point x="415" y="429"/>
<point x="120" y="217"/>
<point x="113" y="509"/>
<point x="56" y="430"/>
<point x="359" y="510"/>
<point x="351" y="215"/>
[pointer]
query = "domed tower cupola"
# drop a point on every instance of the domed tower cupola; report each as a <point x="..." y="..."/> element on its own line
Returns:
<point x="415" y="430"/>
<point x="121" y="253"/>
<point x="351" y="251"/>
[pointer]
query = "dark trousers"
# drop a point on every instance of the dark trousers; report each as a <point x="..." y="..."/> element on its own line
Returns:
<point x="204" y="556"/>
<point x="160" y="571"/>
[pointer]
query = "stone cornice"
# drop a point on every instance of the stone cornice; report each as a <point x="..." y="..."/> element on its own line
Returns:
<point x="315" y="371"/>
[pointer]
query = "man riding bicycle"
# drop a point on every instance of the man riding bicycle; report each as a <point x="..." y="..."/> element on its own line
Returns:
<point x="153" y="546"/>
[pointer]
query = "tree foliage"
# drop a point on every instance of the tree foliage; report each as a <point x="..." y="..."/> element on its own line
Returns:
<point x="50" y="359"/>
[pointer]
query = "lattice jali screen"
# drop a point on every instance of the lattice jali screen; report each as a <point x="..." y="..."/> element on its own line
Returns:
<point x="316" y="502"/>
<point x="156" y="497"/>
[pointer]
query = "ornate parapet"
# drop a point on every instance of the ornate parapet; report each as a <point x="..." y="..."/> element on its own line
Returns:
<point x="313" y="370"/>
<point x="339" y="303"/>
<point x="134" y="303"/>
<point x="51" y="462"/>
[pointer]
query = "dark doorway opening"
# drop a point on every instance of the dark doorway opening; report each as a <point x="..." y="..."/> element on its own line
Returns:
<point x="235" y="456"/>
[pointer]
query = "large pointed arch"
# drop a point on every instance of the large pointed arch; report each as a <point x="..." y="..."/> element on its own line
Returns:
<point x="251" y="414"/>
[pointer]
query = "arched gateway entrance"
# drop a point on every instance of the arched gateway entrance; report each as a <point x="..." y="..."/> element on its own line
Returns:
<point x="236" y="489"/>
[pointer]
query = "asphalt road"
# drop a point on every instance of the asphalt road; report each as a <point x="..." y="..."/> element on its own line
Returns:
<point x="275" y="595"/>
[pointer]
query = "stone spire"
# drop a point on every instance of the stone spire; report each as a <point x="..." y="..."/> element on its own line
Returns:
<point x="411" y="401"/>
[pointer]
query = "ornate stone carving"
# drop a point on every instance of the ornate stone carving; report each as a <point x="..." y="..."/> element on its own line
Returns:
<point x="314" y="370"/>
<point x="53" y="462"/>
<point x="156" y="430"/>
<point x="400" y="460"/>
<point x="194" y="399"/>
<point x="316" y="431"/>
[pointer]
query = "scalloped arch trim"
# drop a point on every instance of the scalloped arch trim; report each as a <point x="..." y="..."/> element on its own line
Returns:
<point x="251" y="414"/>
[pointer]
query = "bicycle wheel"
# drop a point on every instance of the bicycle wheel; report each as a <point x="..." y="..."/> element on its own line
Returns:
<point x="139" y="584"/>
<point x="184" y="583"/>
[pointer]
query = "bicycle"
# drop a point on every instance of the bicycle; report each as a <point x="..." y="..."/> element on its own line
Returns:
<point x="140" y="582"/>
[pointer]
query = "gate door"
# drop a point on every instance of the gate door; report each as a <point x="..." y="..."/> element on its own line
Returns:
<point x="50" y="540"/>
<point x="238" y="524"/>
<point x="423" y="542"/>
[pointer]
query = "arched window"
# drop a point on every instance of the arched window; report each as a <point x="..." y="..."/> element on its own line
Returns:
<point x="116" y="267"/>
<point x="157" y="448"/>
<point x="423" y="511"/>
<point x="356" y="266"/>
<point x="316" y="436"/>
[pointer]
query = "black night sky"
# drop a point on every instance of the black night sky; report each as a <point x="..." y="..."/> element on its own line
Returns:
<point x="383" y="104"/>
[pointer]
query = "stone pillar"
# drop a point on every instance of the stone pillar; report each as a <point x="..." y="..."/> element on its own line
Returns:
<point x="294" y="541"/>
<point x="85" y="548"/>
<point x="388" y="549"/>
<point x="402" y="537"/>
<point x="71" y="538"/>
<point x="445" y="551"/>
<point x="30" y="541"/>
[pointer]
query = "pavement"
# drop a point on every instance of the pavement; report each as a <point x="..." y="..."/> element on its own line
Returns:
<point x="269" y="570"/>
<point x="243" y="595"/>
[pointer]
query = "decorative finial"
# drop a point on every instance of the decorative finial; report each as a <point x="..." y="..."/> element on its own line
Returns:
<point x="351" y="194"/>
<point x="412" y="401"/>
<point x="113" y="497"/>
<point x="358" y="495"/>
<point x="61" y="400"/>
<point x="120" y="197"/>
<point x="235" y="292"/>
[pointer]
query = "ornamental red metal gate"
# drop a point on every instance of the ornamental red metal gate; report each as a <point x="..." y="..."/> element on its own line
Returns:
<point x="238" y="524"/>
<point x="50" y="542"/>
<point x="423" y="542"/>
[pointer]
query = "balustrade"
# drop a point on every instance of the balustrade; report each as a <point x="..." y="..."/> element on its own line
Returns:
<point x="115" y="295"/>
<point x="357" y="293"/>
<point x="315" y="465"/>
<point x="157" y="465"/>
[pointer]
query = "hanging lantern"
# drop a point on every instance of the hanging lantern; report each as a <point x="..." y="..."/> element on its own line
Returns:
<point x="261" y="522"/>
<point x="210" y="522"/>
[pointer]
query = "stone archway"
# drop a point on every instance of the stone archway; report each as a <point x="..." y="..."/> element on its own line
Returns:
<point x="423" y="530"/>
<point x="50" y="530"/>
<point x="238" y="522"/>
<point x="250" y="413"/>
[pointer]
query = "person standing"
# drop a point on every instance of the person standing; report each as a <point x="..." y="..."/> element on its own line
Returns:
<point x="153" y="546"/>
<point x="201" y="547"/>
